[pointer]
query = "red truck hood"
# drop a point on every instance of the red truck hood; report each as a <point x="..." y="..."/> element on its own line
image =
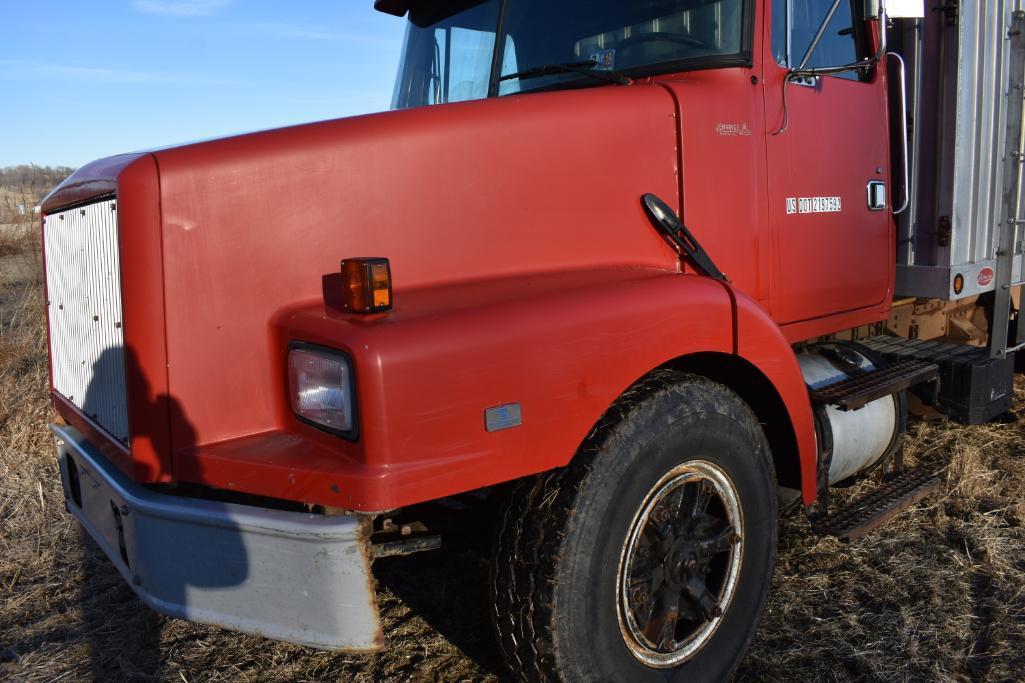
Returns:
<point x="250" y="226"/>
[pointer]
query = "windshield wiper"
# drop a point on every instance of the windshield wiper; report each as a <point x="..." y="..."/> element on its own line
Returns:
<point x="586" y="68"/>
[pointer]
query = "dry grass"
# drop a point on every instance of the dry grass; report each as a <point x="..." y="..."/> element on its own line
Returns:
<point x="939" y="594"/>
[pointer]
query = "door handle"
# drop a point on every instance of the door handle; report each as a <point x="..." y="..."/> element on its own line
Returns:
<point x="876" y="192"/>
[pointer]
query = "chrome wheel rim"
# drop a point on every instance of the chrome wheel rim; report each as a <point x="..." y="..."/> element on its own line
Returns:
<point x="680" y="565"/>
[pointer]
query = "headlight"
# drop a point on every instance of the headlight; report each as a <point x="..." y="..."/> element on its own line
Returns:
<point x="320" y="384"/>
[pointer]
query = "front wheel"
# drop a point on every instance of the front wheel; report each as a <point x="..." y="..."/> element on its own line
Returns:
<point x="649" y="557"/>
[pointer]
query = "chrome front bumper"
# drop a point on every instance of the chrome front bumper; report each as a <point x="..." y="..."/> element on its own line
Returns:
<point x="290" y="576"/>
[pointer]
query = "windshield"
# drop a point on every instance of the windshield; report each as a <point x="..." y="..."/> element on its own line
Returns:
<point x="450" y="52"/>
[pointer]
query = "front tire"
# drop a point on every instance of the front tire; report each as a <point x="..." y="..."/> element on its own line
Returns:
<point x="649" y="557"/>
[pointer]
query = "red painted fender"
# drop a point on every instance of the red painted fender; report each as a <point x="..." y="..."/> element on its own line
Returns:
<point x="563" y="346"/>
<point x="760" y="341"/>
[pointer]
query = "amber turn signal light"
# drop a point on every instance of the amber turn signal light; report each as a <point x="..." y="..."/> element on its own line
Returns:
<point x="958" y="283"/>
<point x="367" y="284"/>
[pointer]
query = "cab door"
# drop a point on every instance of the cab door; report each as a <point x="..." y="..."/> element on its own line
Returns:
<point x="827" y="140"/>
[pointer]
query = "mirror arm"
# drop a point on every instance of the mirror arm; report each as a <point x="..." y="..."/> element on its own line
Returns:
<point x="818" y="35"/>
<point x="833" y="70"/>
<point x="801" y="72"/>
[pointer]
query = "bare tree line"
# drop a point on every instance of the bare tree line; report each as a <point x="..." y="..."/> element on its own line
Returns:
<point x="22" y="187"/>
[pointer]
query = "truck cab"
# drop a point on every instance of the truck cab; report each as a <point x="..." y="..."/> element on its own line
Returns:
<point x="620" y="270"/>
<point x="774" y="188"/>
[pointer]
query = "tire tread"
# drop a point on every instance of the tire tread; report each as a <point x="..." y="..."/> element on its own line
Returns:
<point x="529" y="543"/>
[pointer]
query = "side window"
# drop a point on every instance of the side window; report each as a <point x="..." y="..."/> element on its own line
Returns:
<point x="795" y="22"/>
<point x="446" y="56"/>
<point x="462" y="63"/>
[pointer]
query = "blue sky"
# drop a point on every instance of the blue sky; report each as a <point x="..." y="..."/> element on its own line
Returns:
<point x="84" y="79"/>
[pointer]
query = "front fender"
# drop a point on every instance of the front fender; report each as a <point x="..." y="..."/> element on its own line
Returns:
<point x="760" y="341"/>
<point x="563" y="347"/>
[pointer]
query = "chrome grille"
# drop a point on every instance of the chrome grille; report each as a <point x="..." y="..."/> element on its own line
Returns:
<point x="83" y="280"/>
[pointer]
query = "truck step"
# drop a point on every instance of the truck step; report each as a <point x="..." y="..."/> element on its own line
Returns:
<point x="878" y="506"/>
<point x="973" y="387"/>
<point x="861" y="390"/>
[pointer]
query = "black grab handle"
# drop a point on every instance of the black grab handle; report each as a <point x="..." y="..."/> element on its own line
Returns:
<point x="679" y="237"/>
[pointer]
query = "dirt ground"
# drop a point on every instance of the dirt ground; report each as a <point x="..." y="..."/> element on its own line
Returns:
<point x="937" y="595"/>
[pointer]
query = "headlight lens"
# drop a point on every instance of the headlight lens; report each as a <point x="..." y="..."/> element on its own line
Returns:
<point x="320" y="383"/>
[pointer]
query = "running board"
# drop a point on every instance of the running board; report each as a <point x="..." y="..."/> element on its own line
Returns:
<point x="878" y="506"/>
<point x="860" y="390"/>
